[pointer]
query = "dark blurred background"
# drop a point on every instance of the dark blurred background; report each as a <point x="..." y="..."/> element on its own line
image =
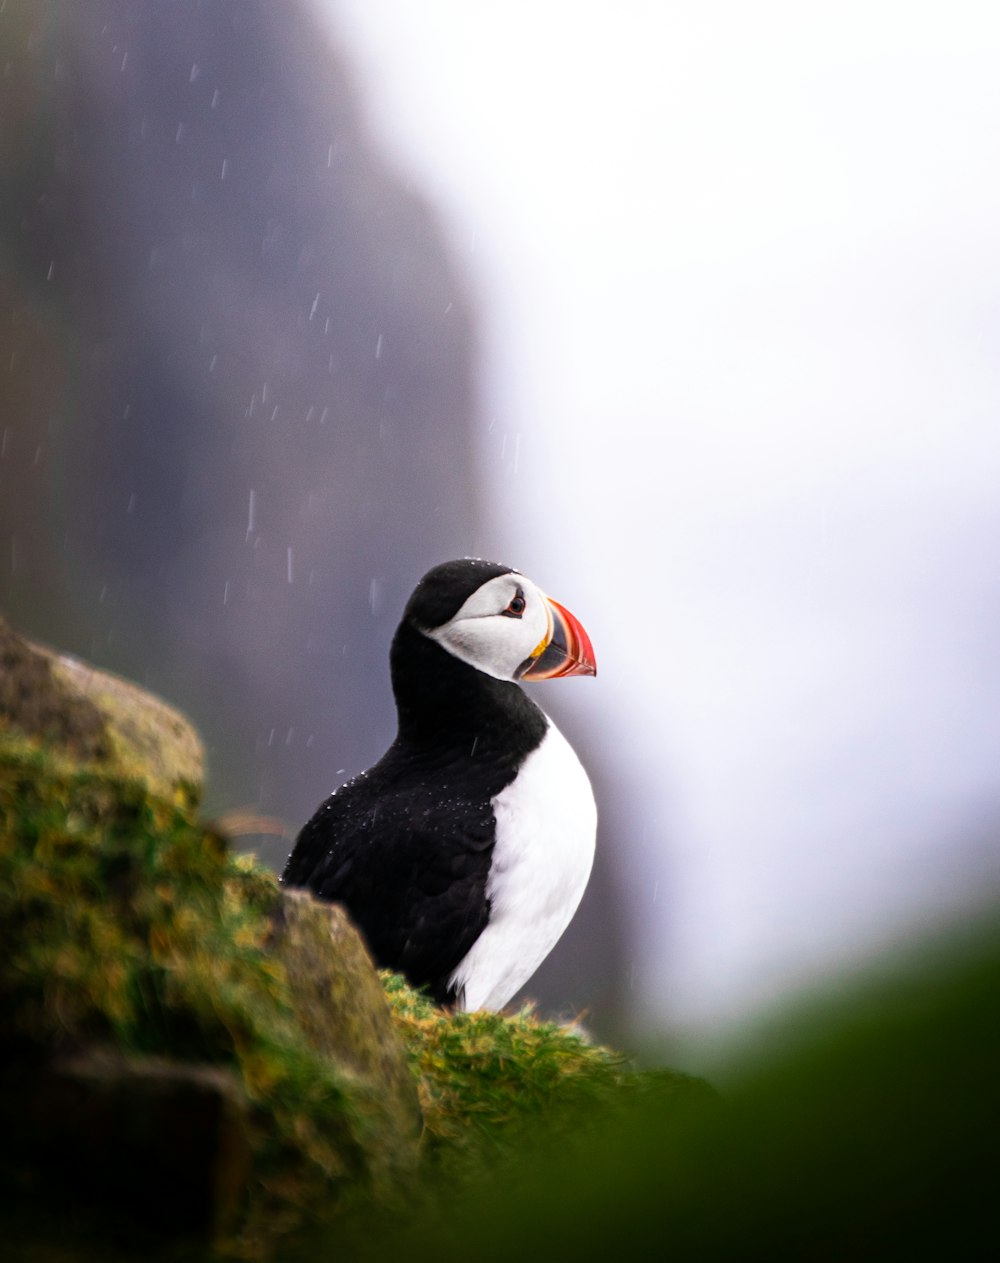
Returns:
<point x="238" y="405"/>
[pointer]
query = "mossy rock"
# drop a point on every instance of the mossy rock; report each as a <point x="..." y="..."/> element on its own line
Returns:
<point x="128" y="931"/>
<point x="196" y="1063"/>
<point x="93" y="716"/>
<point x="343" y="1013"/>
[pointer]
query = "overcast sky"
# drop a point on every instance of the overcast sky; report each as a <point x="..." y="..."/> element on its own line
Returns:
<point x="738" y="273"/>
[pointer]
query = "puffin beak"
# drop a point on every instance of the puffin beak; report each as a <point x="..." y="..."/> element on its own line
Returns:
<point x="566" y="649"/>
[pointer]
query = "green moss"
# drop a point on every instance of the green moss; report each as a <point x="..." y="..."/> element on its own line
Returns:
<point x="123" y="922"/>
<point x="486" y="1078"/>
<point x="499" y="1091"/>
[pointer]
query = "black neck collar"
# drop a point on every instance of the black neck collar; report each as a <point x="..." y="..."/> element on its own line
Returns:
<point x="448" y="708"/>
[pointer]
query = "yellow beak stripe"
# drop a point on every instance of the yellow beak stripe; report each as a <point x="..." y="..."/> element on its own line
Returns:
<point x="543" y="644"/>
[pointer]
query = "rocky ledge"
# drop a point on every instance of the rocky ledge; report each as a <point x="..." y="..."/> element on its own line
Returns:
<point x="194" y="1061"/>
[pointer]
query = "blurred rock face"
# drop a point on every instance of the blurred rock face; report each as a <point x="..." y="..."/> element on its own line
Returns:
<point x="236" y="391"/>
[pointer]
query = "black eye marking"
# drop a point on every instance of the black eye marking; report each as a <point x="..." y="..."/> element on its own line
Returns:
<point x="517" y="605"/>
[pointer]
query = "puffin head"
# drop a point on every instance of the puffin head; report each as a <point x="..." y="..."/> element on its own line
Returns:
<point x="495" y="619"/>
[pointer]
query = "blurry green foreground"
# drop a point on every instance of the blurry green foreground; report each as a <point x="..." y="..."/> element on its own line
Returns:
<point x="873" y="1133"/>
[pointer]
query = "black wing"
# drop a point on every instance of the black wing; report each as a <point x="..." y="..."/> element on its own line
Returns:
<point x="409" y="865"/>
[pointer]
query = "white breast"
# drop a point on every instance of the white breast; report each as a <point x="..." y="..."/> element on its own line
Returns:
<point x="545" y="832"/>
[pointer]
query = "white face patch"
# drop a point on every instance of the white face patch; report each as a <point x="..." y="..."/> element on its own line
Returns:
<point x="482" y="635"/>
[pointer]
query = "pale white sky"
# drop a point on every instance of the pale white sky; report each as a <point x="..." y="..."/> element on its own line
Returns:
<point x="738" y="273"/>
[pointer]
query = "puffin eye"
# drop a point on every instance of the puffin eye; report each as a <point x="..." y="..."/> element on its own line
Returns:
<point x="516" y="607"/>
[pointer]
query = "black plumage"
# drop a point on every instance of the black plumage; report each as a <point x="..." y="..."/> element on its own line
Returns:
<point x="407" y="846"/>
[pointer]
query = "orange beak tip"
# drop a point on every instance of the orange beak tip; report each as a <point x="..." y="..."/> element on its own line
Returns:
<point x="568" y="651"/>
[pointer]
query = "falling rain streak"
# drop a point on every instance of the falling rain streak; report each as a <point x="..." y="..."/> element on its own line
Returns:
<point x="252" y="513"/>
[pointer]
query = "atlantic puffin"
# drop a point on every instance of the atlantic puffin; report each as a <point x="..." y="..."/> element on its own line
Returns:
<point x="462" y="854"/>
